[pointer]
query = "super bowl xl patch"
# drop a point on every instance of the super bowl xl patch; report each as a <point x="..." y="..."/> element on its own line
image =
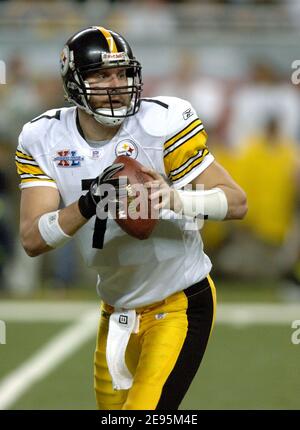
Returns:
<point x="68" y="158"/>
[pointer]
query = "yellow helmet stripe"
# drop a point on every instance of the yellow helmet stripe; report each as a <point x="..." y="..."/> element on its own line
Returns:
<point x="110" y="40"/>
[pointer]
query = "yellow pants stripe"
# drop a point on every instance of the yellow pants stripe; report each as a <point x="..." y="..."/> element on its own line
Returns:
<point x="214" y="298"/>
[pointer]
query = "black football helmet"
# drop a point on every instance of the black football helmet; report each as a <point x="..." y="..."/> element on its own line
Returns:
<point x="93" y="49"/>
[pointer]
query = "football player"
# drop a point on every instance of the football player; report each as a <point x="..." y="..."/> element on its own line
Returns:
<point x="158" y="300"/>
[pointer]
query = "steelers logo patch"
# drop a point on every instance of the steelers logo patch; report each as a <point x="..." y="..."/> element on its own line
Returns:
<point x="126" y="147"/>
<point x="64" y="60"/>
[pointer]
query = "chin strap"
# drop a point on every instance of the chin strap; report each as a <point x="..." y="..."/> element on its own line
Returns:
<point x="102" y="116"/>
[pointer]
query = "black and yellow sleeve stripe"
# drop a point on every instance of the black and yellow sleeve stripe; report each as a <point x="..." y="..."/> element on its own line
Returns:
<point x="184" y="151"/>
<point x="29" y="170"/>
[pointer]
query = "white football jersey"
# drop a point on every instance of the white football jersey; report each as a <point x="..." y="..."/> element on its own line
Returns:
<point x="165" y="135"/>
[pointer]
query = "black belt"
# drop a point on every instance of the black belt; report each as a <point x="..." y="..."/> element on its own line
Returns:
<point x="197" y="288"/>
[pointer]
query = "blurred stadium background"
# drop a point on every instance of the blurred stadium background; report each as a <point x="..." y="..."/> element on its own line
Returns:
<point x="234" y="61"/>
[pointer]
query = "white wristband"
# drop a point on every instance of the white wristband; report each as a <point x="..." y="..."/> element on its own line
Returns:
<point x="207" y="204"/>
<point x="51" y="231"/>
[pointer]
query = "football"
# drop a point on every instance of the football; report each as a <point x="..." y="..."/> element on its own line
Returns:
<point x="134" y="213"/>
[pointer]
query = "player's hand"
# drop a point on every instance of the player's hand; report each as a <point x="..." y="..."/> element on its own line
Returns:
<point x="106" y="177"/>
<point x="161" y="194"/>
<point x="88" y="203"/>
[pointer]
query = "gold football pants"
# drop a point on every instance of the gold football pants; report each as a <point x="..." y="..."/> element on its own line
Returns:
<point x="164" y="355"/>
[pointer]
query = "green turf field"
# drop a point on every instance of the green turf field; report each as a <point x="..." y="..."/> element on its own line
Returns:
<point x="249" y="364"/>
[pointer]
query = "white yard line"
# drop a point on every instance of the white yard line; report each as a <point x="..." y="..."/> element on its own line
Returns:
<point x="227" y="313"/>
<point x="47" y="358"/>
<point x="47" y="311"/>
<point x="243" y="314"/>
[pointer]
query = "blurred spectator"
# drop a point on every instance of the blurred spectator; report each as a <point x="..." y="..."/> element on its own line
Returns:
<point x="268" y="169"/>
<point x="48" y="17"/>
<point x="6" y="229"/>
<point x="205" y="93"/>
<point x="24" y="97"/>
<point x="62" y="272"/>
<point x="143" y="19"/>
<point x="262" y="96"/>
<point x="293" y="10"/>
<point x="20" y="101"/>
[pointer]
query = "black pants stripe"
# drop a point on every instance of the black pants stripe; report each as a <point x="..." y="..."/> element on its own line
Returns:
<point x="200" y="314"/>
